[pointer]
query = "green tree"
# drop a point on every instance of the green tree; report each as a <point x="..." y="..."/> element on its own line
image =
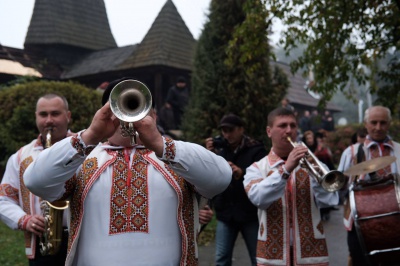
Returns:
<point x="231" y="71"/>
<point x="344" y="40"/>
<point x="17" y="111"/>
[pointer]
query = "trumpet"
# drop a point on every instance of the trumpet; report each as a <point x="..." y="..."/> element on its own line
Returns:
<point x="331" y="181"/>
<point x="130" y="101"/>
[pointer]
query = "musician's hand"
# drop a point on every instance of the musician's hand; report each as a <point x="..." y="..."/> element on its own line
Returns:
<point x="237" y="172"/>
<point x="209" y="144"/>
<point x="104" y="124"/>
<point x="205" y="215"/>
<point x="295" y="156"/>
<point x="35" y="225"/>
<point x="149" y="135"/>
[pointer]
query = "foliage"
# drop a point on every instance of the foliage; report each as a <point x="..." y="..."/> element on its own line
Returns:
<point x="249" y="75"/>
<point x="345" y="39"/>
<point x="12" y="247"/>
<point x="17" y="111"/>
<point x="231" y="71"/>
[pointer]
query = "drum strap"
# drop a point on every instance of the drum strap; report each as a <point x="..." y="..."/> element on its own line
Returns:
<point x="360" y="156"/>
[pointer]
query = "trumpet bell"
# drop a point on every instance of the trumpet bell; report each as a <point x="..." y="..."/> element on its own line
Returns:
<point x="333" y="181"/>
<point x="130" y="100"/>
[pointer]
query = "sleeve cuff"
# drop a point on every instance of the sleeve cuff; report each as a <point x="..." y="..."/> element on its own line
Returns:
<point x="169" y="151"/>
<point x="80" y="146"/>
<point x="22" y="222"/>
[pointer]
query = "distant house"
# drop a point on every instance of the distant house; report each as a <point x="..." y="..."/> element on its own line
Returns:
<point x="73" y="41"/>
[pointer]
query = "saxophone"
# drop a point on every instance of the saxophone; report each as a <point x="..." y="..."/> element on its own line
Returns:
<point x="50" y="241"/>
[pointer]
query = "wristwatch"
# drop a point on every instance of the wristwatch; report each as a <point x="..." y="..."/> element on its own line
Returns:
<point x="285" y="174"/>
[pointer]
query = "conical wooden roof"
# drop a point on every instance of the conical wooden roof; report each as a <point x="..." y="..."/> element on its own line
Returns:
<point x="79" y="23"/>
<point x="168" y="43"/>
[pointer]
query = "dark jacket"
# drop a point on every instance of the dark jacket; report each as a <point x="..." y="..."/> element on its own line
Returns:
<point x="233" y="205"/>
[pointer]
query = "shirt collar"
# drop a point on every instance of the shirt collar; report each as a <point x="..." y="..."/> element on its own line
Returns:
<point x="386" y="142"/>
<point x="274" y="159"/>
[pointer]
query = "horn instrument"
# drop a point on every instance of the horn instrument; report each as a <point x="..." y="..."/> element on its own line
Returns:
<point x="130" y="101"/>
<point x="50" y="241"/>
<point x="331" y="181"/>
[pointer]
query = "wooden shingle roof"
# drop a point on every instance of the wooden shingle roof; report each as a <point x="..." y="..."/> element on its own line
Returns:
<point x="168" y="43"/>
<point x="297" y="93"/>
<point x="100" y="62"/>
<point x="79" y="23"/>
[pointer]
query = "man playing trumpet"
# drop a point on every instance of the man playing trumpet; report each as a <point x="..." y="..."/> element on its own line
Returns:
<point x="288" y="199"/>
<point x="131" y="204"/>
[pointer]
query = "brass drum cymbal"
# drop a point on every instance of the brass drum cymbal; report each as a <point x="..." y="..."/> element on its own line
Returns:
<point x="370" y="165"/>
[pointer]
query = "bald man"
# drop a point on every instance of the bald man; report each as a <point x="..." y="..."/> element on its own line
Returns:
<point x="377" y="143"/>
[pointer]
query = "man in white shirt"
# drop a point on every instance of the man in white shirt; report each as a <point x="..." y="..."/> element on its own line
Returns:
<point x="377" y="143"/>
<point x="130" y="204"/>
<point x="19" y="208"/>
<point x="288" y="200"/>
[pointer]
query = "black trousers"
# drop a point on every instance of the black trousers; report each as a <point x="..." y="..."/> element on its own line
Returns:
<point x="357" y="255"/>
<point x="51" y="260"/>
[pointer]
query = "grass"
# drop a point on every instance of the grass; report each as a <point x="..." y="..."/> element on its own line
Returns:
<point x="12" y="247"/>
<point x="208" y="234"/>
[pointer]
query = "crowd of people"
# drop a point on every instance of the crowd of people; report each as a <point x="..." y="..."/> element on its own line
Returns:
<point x="140" y="202"/>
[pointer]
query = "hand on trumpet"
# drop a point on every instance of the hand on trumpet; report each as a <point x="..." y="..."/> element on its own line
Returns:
<point x="298" y="152"/>
<point x="104" y="125"/>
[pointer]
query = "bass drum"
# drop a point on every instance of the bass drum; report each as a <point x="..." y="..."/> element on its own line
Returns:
<point x="376" y="209"/>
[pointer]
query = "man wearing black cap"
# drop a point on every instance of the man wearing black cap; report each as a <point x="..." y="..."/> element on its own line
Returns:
<point x="177" y="99"/>
<point x="235" y="213"/>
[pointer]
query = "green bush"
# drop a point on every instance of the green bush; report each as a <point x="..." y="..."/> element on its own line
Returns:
<point x="17" y="111"/>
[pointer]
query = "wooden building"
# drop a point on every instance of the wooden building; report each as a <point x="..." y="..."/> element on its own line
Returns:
<point x="72" y="40"/>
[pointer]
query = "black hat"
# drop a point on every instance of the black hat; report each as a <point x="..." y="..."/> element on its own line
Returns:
<point x="230" y="120"/>
<point x="181" y="79"/>
<point x="110" y="86"/>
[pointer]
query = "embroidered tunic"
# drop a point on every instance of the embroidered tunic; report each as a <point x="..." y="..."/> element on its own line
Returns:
<point x="372" y="149"/>
<point x="288" y="213"/>
<point x="127" y="206"/>
<point x="16" y="202"/>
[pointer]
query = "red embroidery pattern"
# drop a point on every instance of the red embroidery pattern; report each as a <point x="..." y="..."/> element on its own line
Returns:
<point x="272" y="248"/>
<point x="7" y="190"/>
<point x="375" y="154"/>
<point x="25" y="194"/>
<point x="89" y="168"/>
<point x="24" y="191"/>
<point x="78" y="145"/>
<point x="170" y="149"/>
<point x="79" y="185"/>
<point x="129" y="196"/>
<point x="251" y="183"/>
<point x="309" y="245"/>
<point x="186" y="214"/>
